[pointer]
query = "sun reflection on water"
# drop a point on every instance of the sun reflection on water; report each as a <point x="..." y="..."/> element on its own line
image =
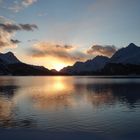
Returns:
<point x="57" y="85"/>
<point x="55" y="92"/>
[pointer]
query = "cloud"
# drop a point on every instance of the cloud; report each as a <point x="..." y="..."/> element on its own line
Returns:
<point x="6" y="41"/>
<point x="17" y="6"/>
<point x="69" y="53"/>
<point x="65" y="53"/>
<point x="32" y="40"/>
<point x="107" y="50"/>
<point x="7" y="32"/>
<point x="15" y="41"/>
<point x="28" y="2"/>
<point x="28" y="27"/>
<point x="10" y="27"/>
<point x="5" y="20"/>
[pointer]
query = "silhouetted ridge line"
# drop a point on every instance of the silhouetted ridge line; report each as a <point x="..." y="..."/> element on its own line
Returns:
<point x="124" y="62"/>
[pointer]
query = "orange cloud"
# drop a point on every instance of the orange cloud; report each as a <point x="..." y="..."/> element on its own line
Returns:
<point x="6" y="41"/>
<point x="65" y="53"/>
<point x="8" y="29"/>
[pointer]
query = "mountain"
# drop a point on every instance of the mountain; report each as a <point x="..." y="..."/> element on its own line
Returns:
<point x="128" y="55"/>
<point x="125" y="61"/>
<point x="9" y="58"/>
<point x="10" y="65"/>
<point x="90" y="66"/>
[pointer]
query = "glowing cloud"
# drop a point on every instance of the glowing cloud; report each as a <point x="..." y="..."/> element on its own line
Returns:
<point x="65" y="53"/>
<point x="8" y="30"/>
<point x="107" y="50"/>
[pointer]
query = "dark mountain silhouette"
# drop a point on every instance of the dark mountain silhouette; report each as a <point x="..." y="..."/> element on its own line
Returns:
<point x="88" y="67"/>
<point x="10" y="65"/>
<point x="125" y="61"/>
<point x="128" y="55"/>
<point x="9" y="58"/>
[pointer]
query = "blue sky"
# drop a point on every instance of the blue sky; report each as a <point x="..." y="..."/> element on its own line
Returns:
<point x="81" y="23"/>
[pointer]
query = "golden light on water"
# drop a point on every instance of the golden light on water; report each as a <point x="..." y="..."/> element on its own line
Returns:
<point x="50" y="87"/>
<point x="55" y="93"/>
<point x="5" y="109"/>
<point x="58" y="86"/>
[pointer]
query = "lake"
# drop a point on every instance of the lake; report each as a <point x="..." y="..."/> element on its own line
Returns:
<point x="106" y="106"/>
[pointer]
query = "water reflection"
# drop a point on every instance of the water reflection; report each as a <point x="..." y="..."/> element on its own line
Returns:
<point x="5" y="111"/>
<point x="54" y="94"/>
<point x="127" y="93"/>
<point x="8" y="90"/>
<point x="25" y="100"/>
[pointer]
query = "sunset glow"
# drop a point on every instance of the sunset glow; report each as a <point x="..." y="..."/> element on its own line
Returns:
<point x="56" y="34"/>
<point x="58" y="66"/>
<point x="70" y="69"/>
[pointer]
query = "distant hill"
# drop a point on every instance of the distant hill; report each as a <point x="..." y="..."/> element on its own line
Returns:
<point x="125" y="61"/>
<point x="10" y="65"/>
<point x="128" y="55"/>
<point x="89" y="66"/>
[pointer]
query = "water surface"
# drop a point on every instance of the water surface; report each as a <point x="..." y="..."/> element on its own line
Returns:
<point x="100" y="105"/>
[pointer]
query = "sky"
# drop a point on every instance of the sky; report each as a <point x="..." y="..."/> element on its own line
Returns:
<point x="57" y="33"/>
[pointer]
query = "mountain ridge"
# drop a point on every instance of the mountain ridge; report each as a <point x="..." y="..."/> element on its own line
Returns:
<point x="125" y="61"/>
<point x="93" y="65"/>
<point x="127" y="55"/>
<point x="11" y="65"/>
<point x="9" y="58"/>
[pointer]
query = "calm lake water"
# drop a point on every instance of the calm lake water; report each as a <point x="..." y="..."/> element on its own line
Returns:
<point x="105" y="106"/>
